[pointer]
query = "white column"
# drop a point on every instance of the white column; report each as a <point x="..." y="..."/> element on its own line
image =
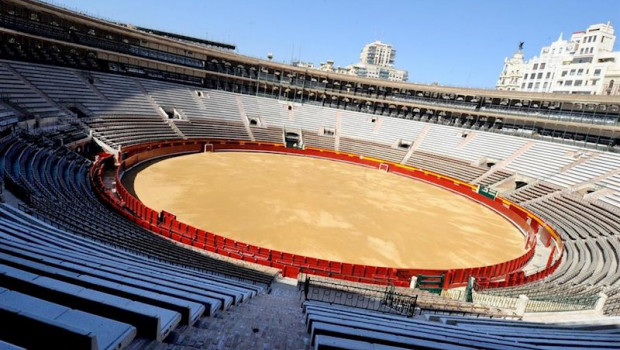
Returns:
<point x="602" y="298"/>
<point x="414" y="280"/>
<point x="522" y="304"/>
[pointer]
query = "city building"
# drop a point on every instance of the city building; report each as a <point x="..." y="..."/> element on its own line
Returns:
<point x="510" y="78"/>
<point x="583" y="64"/>
<point x="376" y="61"/>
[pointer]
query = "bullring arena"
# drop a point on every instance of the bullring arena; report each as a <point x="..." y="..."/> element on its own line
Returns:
<point x="318" y="208"/>
<point x="164" y="192"/>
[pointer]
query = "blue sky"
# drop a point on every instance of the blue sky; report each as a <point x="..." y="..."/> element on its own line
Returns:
<point x="451" y="42"/>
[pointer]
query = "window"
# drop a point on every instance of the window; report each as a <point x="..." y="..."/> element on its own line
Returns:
<point x="580" y="71"/>
<point x="572" y="72"/>
<point x="529" y="86"/>
<point x="568" y="83"/>
<point x="578" y="82"/>
<point x="542" y="65"/>
<point x="536" y="86"/>
<point x="597" y="72"/>
<point x="560" y="82"/>
<point x="564" y="73"/>
<point x="548" y="75"/>
<point x="535" y="66"/>
<point x="525" y="76"/>
<point x="545" y="85"/>
<point x="523" y="86"/>
<point x="539" y="76"/>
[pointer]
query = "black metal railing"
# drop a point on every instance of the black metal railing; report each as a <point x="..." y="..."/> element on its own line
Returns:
<point x="387" y="301"/>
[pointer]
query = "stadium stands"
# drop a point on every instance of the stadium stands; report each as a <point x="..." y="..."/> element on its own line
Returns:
<point x="83" y="276"/>
<point x="54" y="267"/>
<point x="57" y="187"/>
<point x="590" y="231"/>
<point x="206" y="116"/>
<point x="342" y="327"/>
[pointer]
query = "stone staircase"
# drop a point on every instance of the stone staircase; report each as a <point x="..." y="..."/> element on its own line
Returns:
<point x="501" y="165"/>
<point x="267" y="321"/>
<point x="244" y="117"/>
<point x="418" y="141"/>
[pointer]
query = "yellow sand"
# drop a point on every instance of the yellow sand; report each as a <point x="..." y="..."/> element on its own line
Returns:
<point x="327" y="209"/>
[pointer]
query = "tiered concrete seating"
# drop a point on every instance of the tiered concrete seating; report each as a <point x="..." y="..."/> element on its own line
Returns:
<point x="57" y="325"/>
<point x="542" y="160"/>
<point x="124" y="97"/>
<point x="442" y="139"/>
<point x="63" y="85"/>
<point x="267" y="134"/>
<point x="124" y="114"/>
<point x="595" y="165"/>
<point x="151" y="295"/>
<point x="23" y="96"/>
<point x="495" y="177"/>
<point x="121" y="130"/>
<point x="319" y="141"/>
<point x="66" y="134"/>
<point x="272" y="113"/>
<point x="342" y="327"/>
<point x="488" y="145"/>
<point x="7" y="116"/>
<point x="372" y="149"/>
<point x="612" y="183"/>
<point x="71" y="203"/>
<point x="213" y="128"/>
<point x="591" y="249"/>
<point x="312" y="118"/>
<point x="151" y="320"/>
<point x="176" y="96"/>
<point x="535" y="190"/>
<point x="459" y="169"/>
<point x="220" y="105"/>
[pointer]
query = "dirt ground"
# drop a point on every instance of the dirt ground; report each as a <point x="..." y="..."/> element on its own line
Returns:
<point x="327" y="209"/>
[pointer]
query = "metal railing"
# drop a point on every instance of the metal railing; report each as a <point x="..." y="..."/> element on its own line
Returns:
<point x="387" y="301"/>
<point x="534" y="304"/>
<point x="561" y="304"/>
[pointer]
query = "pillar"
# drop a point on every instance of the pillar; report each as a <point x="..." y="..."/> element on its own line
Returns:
<point x="522" y="304"/>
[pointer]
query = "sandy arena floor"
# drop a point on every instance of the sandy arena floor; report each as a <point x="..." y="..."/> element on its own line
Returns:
<point x="327" y="209"/>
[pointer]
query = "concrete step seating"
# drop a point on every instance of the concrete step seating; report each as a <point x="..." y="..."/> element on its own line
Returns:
<point x="150" y="297"/>
<point x="343" y="327"/>
<point x="151" y="321"/>
<point x="58" y="326"/>
<point x="71" y="203"/>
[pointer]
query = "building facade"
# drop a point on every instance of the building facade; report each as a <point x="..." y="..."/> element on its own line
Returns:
<point x="512" y="74"/>
<point x="377" y="61"/>
<point x="584" y="64"/>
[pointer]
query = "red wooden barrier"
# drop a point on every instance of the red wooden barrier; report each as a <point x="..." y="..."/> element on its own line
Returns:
<point x="291" y="264"/>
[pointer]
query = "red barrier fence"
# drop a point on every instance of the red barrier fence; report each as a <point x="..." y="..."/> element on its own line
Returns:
<point x="165" y="224"/>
